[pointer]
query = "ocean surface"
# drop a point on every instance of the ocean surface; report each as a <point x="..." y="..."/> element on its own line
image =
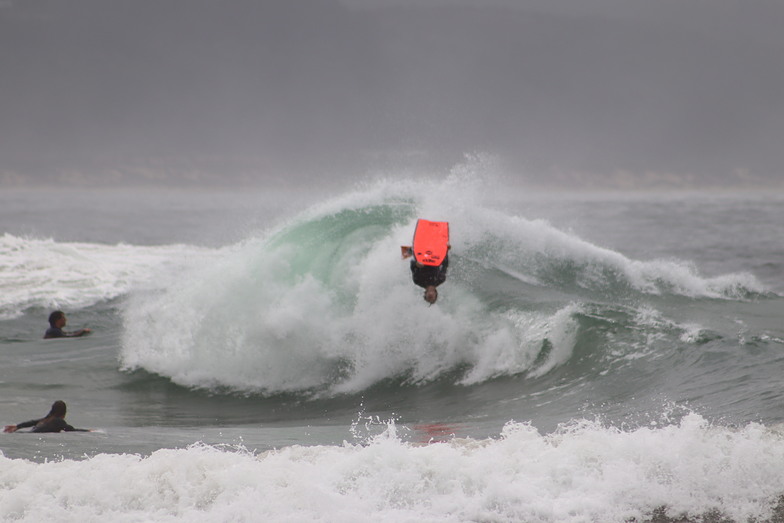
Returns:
<point x="264" y="356"/>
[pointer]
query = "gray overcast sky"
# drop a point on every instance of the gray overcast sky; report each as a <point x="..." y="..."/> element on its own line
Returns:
<point x="565" y="91"/>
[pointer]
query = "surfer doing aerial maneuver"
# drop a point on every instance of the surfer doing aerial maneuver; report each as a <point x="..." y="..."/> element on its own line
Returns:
<point x="430" y="256"/>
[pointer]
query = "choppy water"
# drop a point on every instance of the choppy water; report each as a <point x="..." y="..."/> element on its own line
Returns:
<point x="266" y="357"/>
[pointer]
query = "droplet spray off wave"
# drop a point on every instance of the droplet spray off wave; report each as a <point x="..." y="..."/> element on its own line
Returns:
<point x="322" y="305"/>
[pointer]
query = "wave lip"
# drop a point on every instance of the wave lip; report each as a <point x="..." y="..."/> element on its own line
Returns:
<point x="536" y="252"/>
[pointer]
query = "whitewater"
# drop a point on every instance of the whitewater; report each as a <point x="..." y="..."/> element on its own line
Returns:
<point x="264" y="356"/>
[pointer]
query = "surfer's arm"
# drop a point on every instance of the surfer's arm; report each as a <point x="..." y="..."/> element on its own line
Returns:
<point x="55" y="332"/>
<point x="406" y="251"/>
<point x="23" y="425"/>
<point x="69" y="428"/>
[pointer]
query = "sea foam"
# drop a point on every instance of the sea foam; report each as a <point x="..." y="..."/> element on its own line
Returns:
<point x="72" y="275"/>
<point x="582" y="472"/>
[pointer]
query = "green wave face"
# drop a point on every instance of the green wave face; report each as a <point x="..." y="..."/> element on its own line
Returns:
<point x="324" y="305"/>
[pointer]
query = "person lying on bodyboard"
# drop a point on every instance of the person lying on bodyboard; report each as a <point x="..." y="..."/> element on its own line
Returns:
<point x="52" y="422"/>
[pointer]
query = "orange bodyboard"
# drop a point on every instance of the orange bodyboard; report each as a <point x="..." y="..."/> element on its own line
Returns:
<point x="431" y="242"/>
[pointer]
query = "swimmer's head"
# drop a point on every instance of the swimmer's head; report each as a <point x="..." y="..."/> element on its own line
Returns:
<point x="431" y="294"/>
<point x="58" y="410"/>
<point x="55" y="317"/>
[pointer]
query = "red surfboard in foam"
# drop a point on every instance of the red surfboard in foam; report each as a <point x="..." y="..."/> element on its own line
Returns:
<point x="431" y="242"/>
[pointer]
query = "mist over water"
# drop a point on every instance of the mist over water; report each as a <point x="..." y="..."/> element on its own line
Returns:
<point x="572" y="93"/>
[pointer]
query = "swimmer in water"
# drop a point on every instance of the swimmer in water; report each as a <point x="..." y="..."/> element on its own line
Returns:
<point x="57" y="321"/>
<point x="53" y="422"/>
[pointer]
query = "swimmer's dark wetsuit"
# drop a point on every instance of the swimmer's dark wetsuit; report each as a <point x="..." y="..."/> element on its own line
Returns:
<point x="50" y="425"/>
<point x="426" y="275"/>
<point x="56" y="332"/>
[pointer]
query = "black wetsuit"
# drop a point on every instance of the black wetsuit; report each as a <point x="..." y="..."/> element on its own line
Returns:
<point x="50" y="425"/>
<point x="55" y="332"/>
<point x="427" y="275"/>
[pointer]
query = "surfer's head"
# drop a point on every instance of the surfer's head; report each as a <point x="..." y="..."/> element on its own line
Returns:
<point x="58" y="410"/>
<point x="431" y="294"/>
<point x="55" y="317"/>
